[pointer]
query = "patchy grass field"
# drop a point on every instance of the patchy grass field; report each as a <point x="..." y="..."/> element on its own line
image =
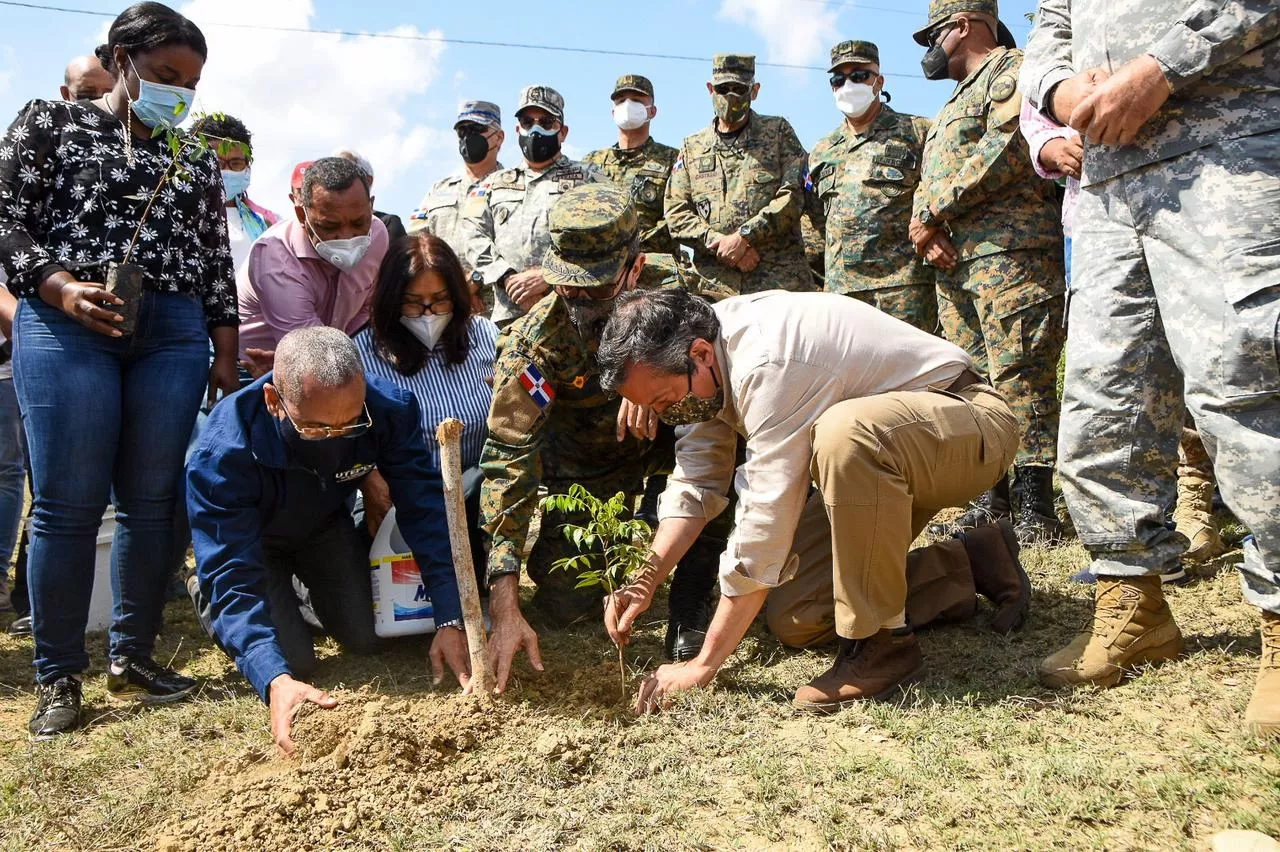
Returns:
<point x="977" y="756"/>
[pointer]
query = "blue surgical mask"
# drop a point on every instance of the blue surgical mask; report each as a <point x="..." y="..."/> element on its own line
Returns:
<point x="235" y="183"/>
<point x="158" y="105"/>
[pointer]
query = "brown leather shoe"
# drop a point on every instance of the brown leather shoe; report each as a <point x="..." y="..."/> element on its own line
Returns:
<point x="1263" y="715"/>
<point x="997" y="574"/>
<point x="871" y="669"/>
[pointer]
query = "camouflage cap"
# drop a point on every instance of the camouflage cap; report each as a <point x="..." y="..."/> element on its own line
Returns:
<point x="480" y="112"/>
<point x="632" y="83"/>
<point x="941" y="10"/>
<point x="594" y="230"/>
<point x="543" y="97"/>
<point x="854" y="51"/>
<point x="733" y="68"/>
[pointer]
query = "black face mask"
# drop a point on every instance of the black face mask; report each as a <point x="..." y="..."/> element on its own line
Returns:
<point x="538" y="148"/>
<point x="325" y="457"/>
<point x="473" y="147"/>
<point x="935" y="62"/>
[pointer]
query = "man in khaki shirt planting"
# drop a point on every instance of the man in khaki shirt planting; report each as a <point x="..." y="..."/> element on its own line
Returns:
<point x="887" y="423"/>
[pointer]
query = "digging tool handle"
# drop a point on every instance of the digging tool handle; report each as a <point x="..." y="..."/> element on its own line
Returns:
<point x="449" y="436"/>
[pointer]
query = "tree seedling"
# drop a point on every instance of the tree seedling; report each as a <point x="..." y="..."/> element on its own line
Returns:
<point x="612" y="548"/>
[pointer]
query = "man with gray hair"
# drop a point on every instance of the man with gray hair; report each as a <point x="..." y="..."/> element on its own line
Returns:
<point x="267" y="488"/>
<point x="887" y="421"/>
<point x="395" y="228"/>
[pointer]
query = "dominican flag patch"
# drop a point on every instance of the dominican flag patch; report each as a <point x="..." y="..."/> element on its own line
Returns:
<point x="808" y="180"/>
<point x="679" y="163"/>
<point x="539" y="391"/>
<point x="480" y="191"/>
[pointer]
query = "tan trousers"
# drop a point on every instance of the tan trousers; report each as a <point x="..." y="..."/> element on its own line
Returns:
<point x="884" y="465"/>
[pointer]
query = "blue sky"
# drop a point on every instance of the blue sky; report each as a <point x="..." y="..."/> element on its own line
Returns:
<point x="303" y="94"/>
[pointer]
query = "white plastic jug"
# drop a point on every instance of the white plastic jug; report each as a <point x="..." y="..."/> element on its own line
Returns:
<point x="400" y="603"/>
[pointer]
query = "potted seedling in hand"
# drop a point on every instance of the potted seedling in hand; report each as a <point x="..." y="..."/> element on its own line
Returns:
<point x="612" y="548"/>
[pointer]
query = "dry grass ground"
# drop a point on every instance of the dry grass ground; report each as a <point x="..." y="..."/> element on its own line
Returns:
<point x="977" y="756"/>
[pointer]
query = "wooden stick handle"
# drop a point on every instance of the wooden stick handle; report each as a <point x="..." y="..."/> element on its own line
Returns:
<point x="449" y="436"/>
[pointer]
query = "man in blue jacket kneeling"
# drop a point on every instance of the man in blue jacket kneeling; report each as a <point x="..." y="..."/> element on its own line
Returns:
<point x="267" y="491"/>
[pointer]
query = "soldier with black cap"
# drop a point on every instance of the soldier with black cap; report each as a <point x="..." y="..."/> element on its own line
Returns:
<point x="992" y="228"/>
<point x="864" y="175"/>
<point x="737" y="189"/>
<point x="504" y="219"/>
<point x="551" y="424"/>
<point x="639" y="163"/>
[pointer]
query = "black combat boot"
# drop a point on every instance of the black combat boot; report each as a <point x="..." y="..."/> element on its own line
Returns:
<point x="653" y="488"/>
<point x="1037" y="521"/>
<point x="987" y="508"/>
<point x="690" y="602"/>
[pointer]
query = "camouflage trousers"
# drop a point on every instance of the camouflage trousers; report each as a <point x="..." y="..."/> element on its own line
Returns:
<point x="1005" y="310"/>
<point x="1176" y="299"/>
<point x="916" y="304"/>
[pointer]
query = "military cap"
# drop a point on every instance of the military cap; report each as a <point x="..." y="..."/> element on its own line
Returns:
<point x="941" y="10"/>
<point x="544" y="97"/>
<point x="594" y="230"/>
<point x="632" y="83"/>
<point x="480" y="112"/>
<point x="854" y="51"/>
<point x="733" y="68"/>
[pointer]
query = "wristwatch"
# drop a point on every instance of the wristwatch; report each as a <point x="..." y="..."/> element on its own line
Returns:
<point x="744" y="232"/>
<point x="456" y="624"/>
<point x="927" y="218"/>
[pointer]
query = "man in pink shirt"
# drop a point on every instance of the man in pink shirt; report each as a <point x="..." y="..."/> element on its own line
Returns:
<point x="315" y="269"/>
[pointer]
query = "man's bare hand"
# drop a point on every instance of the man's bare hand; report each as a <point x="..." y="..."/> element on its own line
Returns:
<point x="622" y="608"/>
<point x="749" y="260"/>
<point x="731" y="249"/>
<point x="511" y="634"/>
<point x="1069" y="93"/>
<point x="920" y="234"/>
<point x="377" y="500"/>
<point x="940" y="252"/>
<point x="449" y="647"/>
<point x="286" y="697"/>
<point x="526" y="288"/>
<point x="639" y="420"/>
<point x="657" y="689"/>
<point x="1063" y="155"/>
<point x="259" y="362"/>
<point x="1117" y="109"/>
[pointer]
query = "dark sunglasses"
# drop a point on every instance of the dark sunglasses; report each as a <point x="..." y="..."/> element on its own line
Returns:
<point x="472" y="128"/>
<point x="939" y="31"/>
<point x="731" y="89"/>
<point x="838" y="78"/>
<point x="547" y="122"/>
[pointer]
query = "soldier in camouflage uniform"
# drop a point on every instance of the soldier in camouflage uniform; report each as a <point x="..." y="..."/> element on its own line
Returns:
<point x="1176" y="297"/>
<point x="737" y="190"/>
<point x="864" y="174"/>
<point x="993" y="229"/>
<point x="504" y="219"/>
<point x="480" y="137"/>
<point x="552" y="425"/>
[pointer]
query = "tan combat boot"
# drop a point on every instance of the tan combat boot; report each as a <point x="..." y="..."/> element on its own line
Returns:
<point x="1132" y="626"/>
<point x="871" y="669"/>
<point x="1263" y="715"/>
<point x="1193" y="516"/>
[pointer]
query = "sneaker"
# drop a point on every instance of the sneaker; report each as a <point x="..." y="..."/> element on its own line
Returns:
<point x="145" y="681"/>
<point x="1177" y="577"/>
<point x="20" y="626"/>
<point x="57" y="709"/>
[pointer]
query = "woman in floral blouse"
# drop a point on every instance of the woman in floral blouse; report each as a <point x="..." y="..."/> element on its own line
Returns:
<point x="108" y="413"/>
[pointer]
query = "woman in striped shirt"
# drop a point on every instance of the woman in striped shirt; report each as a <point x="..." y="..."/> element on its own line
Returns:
<point x="424" y="336"/>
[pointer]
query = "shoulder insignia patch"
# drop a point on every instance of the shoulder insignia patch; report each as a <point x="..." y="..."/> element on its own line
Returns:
<point x="679" y="163"/>
<point x="509" y="177"/>
<point x="539" y="391"/>
<point x="1003" y="87"/>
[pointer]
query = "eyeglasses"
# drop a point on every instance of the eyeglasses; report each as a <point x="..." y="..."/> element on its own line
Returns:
<point x="238" y="164"/>
<point x="731" y="89"/>
<point x="838" y="78"/>
<point x="599" y="294"/>
<point x="321" y="433"/>
<point x="441" y="306"/>
<point x="463" y="129"/>
<point x="938" y="31"/>
<point x="547" y="122"/>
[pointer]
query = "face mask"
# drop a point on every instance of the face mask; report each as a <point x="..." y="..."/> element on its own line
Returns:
<point x="731" y="109"/>
<point x="235" y="183"/>
<point x="158" y="105"/>
<point x="630" y="115"/>
<point x="473" y="147"/>
<point x="589" y="315"/>
<point x="935" y="62"/>
<point x="692" y="408"/>
<point x="344" y="254"/>
<point x="325" y="457"/>
<point x="538" y="145"/>
<point x="854" y="99"/>
<point x="427" y="328"/>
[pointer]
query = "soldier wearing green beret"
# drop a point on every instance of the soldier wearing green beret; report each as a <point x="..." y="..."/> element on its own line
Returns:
<point x="736" y="191"/>
<point x="992" y="229"/>
<point x="551" y="424"/>
<point x="863" y="177"/>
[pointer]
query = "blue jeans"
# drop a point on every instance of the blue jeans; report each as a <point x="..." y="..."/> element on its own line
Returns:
<point x="13" y="472"/>
<point x="104" y="416"/>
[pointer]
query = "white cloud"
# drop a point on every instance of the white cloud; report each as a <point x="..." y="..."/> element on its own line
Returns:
<point x="303" y="95"/>
<point x="796" y="33"/>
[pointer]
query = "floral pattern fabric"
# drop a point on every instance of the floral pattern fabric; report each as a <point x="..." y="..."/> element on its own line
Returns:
<point x="72" y="197"/>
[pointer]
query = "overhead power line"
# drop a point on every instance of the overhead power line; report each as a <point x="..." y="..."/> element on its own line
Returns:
<point x="554" y="48"/>
<point x="854" y="4"/>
